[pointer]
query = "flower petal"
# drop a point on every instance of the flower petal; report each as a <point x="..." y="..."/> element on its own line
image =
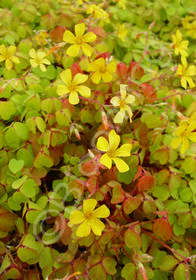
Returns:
<point x="115" y="101"/>
<point x="185" y="145"/>
<point x="106" y="160"/>
<point x="73" y="50"/>
<point x="102" y="144"/>
<point x="66" y="76"/>
<point x="79" y="29"/>
<point x="97" y="226"/>
<point x="84" y="91"/>
<point x="69" y="37"/>
<point x="76" y="217"/>
<point x="42" y="67"/>
<point x="84" y="229"/>
<point x="123" y="91"/>
<point x="107" y="77"/>
<point x="123" y="151"/>
<point x="8" y="64"/>
<point x="111" y="67"/>
<point x="32" y="53"/>
<point x="130" y="99"/>
<point x="15" y="59"/>
<point x="87" y="49"/>
<point x="80" y="78"/>
<point x="102" y="212"/>
<point x="192" y="136"/>
<point x="96" y="77"/>
<point x="62" y="90"/>
<point x="176" y="142"/>
<point x="73" y="98"/>
<point x="89" y="205"/>
<point x="114" y="140"/>
<point x="89" y="37"/>
<point x="121" y="165"/>
<point x="119" y="116"/>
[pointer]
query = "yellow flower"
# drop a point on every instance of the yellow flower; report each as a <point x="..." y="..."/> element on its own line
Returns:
<point x="89" y="218"/>
<point x="180" y="46"/>
<point x="122" y="32"/>
<point x="191" y="30"/>
<point x="7" y="54"/>
<point x="123" y="103"/>
<point x="79" y="41"/>
<point x="185" y="133"/>
<point x="73" y="87"/>
<point x="38" y="59"/>
<point x="122" y="4"/>
<point x="112" y="152"/>
<point x="102" y="70"/>
<point x="186" y="73"/>
<point x="96" y="11"/>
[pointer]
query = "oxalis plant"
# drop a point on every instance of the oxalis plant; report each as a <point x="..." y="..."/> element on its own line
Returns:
<point x="97" y="139"/>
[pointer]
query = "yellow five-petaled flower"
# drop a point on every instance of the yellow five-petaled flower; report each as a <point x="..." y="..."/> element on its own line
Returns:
<point x="79" y="41"/>
<point x="7" y="54"/>
<point x="73" y="87"/>
<point x="180" y="46"/>
<point x="101" y="70"/>
<point x="123" y="103"/>
<point x="186" y="73"/>
<point x="185" y="132"/>
<point x="112" y="152"/>
<point x="38" y="59"/>
<point x="89" y="218"/>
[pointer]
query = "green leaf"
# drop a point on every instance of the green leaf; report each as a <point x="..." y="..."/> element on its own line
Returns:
<point x="180" y="272"/>
<point x="41" y="125"/>
<point x="28" y="188"/>
<point x="7" y="110"/>
<point x="129" y="271"/>
<point x="192" y="184"/>
<point x="18" y="183"/>
<point x="132" y="239"/>
<point x="63" y="117"/>
<point x="109" y="265"/>
<point x="168" y="263"/>
<point x="11" y="138"/>
<point x="16" y="165"/>
<point x="26" y="154"/>
<point x="97" y="272"/>
<point x="27" y="255"/>
<point x="43" y="160"/>
<point x="189" y="165"/>
<point x="22" y="131"/>
<point x="185" y="220"/>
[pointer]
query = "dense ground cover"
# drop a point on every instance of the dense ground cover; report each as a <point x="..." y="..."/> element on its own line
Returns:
<point x="97" y="139"/>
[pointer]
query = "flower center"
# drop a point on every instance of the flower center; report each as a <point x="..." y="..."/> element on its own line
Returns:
<point x="111" y="153"/>
<point x="88" y="215"/>
<point x="79" y="41"/>
<point x="38" y="60"/>
<point x="102" y="69"/>
<point x="122" y="103"/>
<point x="72" y="87"/>
<point x="7" y="56"/>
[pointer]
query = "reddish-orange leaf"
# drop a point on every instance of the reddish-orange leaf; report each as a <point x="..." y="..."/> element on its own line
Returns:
<point x="149" y="92"/>
<point x="162" y="229"/>
<point x="131" y="204"/>
<point x="135" y="70"/>
<point x="145" y="183"/>
<point x="77" y="188"/>
<point x="57" y="34"/>
<point x="122" y="70"/>
<point x="91" y="183"/>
